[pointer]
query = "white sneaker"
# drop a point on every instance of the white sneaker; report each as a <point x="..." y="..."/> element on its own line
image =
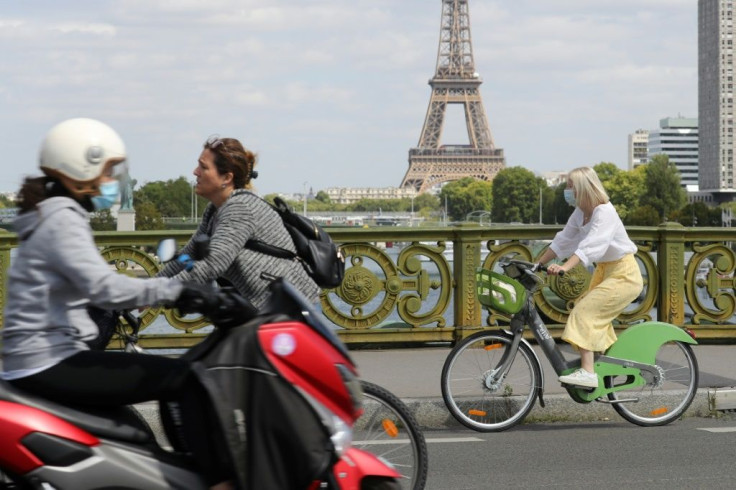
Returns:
<point x="581" y="377"/>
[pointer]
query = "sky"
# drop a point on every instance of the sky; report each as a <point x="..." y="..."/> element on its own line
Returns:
<point x="333" y="93"/>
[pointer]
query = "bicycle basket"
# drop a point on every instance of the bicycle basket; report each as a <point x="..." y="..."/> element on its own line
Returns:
<point x="498" y="291"/>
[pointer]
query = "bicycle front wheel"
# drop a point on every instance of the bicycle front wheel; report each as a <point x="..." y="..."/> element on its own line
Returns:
<point x="389" y="430"/>
<point x="663" y="398"/>
<point x="475" y="390"/>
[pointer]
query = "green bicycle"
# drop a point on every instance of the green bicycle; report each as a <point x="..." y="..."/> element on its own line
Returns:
<point x="491" y="379"/>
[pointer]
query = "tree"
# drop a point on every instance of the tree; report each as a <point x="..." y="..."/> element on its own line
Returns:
<point x="427" y="201"/>
<point x="606" y="171"/>
<point x="643" y="216"/>
<point x="662" y="184"/>
<point x="147" y="216"/>
<point x="172" y="198"/>
<point x="6" y="202"/>
<point x="102" y="221"/>
<point x="515" y="196"/>
<point x="465" y="196"/>
<point x="625" y="189"/>
<point x="698" y="214"/>
<point x="322" y="196"/>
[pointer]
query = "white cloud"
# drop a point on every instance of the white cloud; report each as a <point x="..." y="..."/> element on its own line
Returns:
<point x="78" y="28"/>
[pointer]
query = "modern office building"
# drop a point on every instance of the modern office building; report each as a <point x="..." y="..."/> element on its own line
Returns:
<point x="715" y="98"/>
<point x="638" y="151"/>
<point x="677" y="137"/>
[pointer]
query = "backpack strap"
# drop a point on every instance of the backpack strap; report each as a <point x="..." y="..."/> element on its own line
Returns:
<point x="266" y="248"/>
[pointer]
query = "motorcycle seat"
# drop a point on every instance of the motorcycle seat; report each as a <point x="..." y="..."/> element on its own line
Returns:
<point x="122" y="423"/>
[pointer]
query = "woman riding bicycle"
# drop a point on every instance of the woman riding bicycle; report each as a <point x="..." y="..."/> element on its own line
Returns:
<point x="594" y="234"/>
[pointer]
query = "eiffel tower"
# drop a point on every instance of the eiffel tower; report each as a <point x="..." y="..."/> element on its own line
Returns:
<point x="455" y="82"/>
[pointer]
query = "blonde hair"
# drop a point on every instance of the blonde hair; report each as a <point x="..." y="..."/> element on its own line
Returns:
<point x="589" y="191"/>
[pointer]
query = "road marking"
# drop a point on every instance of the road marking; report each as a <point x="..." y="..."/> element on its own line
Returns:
<point x="429" y="441"/>
<point x="719" y="429"/>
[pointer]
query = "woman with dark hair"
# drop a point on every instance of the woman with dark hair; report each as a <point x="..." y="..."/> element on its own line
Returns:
<point x="224" y="172"/>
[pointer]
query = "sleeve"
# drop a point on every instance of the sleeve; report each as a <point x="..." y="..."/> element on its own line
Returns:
<point x="566" y="241"/>
<point x="599" y="236"/>
<point x="76" y="256"/>
<point x="234" y="226"/>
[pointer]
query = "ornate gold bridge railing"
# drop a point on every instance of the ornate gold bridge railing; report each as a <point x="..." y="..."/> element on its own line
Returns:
<point x="418" y="284"/>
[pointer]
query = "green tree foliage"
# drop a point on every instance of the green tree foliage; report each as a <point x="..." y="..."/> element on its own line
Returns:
<point x="6" y="202"/>
<point x="103" y="221"/>
<point x="643" y="216"/>
<point x="426" y="201"/>
<point x="625" y="190"/>
<point x="322" y="196"/>
<point x="606" y="171"/>
<point x="515" y="196"/>
<point x="147" y="216"/>
<point x="172" y="198"/>
<point x="698" y="214"/>
<point x="465" y="196"/>
<point x="376" y="205"/>
<point x="663" y="190"/>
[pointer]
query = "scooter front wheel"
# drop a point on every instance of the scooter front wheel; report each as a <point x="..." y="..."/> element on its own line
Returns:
<point x="475" y="390"/>
<point x="664" y="398"/>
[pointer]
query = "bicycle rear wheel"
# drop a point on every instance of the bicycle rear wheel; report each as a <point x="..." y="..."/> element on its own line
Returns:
<point x="662" y="400"/>
<point x="389" y="430"/>
<point x="477" y="394"/>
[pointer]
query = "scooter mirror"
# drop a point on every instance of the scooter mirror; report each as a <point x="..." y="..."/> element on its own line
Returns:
<point x="166" y="250"/>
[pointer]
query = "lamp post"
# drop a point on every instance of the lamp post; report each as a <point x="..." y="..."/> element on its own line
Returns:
<point x="411" y="221"/>
<point x="540" y="205"/>
<point x="194" y="201"/>
<point x="305" y="198"/>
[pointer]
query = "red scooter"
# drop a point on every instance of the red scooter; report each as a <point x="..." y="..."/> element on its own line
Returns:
<point x="285" y="389"/>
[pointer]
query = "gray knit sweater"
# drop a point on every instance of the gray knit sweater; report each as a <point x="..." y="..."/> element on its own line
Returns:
<point x="243" y="216"/>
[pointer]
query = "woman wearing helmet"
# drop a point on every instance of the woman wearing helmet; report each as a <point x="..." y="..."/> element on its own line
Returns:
<point x="58" y="272"/>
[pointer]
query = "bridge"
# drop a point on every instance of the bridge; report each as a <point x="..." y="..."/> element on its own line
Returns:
<point x="415" y="292"/>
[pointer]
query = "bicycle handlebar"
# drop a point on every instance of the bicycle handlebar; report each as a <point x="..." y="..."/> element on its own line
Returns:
<point x="533" y="267"/>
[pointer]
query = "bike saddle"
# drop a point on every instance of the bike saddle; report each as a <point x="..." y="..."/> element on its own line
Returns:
<point x="120" y="423"/>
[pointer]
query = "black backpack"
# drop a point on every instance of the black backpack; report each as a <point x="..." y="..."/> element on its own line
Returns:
<point x="316" y="251"/>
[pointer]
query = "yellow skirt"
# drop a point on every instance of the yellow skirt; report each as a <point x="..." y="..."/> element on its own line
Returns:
<point x="613" y="287"/>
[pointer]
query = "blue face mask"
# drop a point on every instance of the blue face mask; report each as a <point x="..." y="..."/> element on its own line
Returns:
<point x="109" y="192"/>
<point x="570" y="197"/>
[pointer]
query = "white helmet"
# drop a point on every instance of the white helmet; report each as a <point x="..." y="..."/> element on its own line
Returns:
<point x="79" y="151"/>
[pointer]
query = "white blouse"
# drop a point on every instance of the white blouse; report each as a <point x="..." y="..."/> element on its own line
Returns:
<point x="602" y="239"/>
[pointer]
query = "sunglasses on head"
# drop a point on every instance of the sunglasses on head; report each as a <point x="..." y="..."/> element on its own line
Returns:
<point x="214" y="142"/>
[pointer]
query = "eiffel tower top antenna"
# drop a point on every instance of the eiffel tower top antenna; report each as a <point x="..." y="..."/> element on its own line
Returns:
<point x="455" y="82"/>
<point x="455" y="51"/>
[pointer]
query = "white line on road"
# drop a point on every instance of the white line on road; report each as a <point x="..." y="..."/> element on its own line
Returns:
<point x="719" y="429"/>
<point x="429" y="441"/>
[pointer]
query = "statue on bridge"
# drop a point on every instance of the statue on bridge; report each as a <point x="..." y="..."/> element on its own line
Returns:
<point x="126" y="194"/>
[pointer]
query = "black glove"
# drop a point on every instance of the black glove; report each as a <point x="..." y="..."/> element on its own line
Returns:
<point x="197" y="298"/>
<point x="233" y="310"/>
